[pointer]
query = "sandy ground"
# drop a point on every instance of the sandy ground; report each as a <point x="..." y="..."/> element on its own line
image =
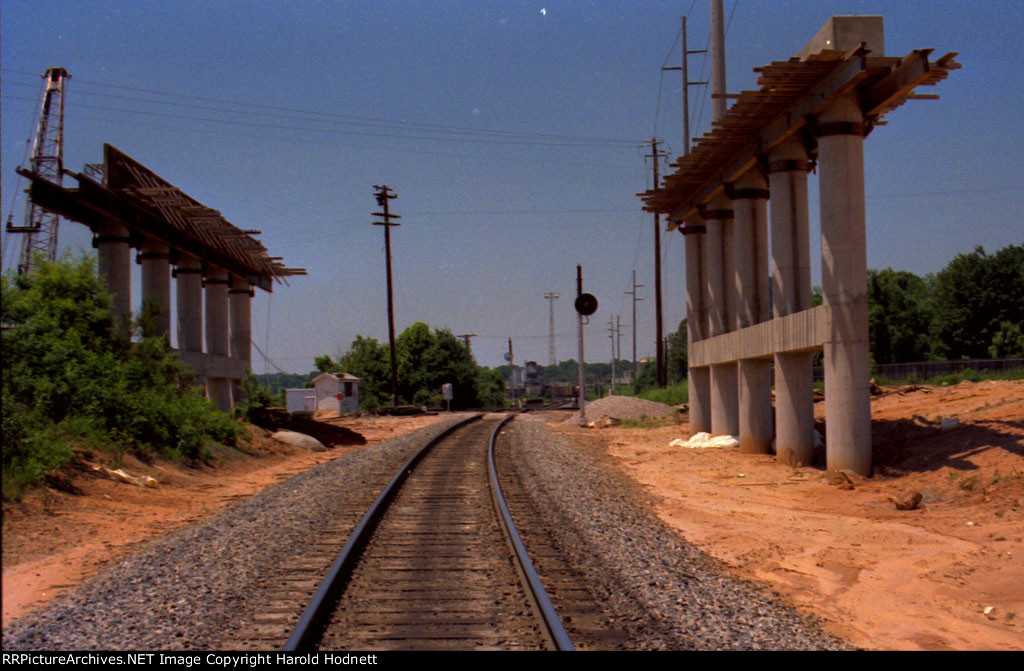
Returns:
<point x="53" y="540"/>
<point x="948" y="574"/>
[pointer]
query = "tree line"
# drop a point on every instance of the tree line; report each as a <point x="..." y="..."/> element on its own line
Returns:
<point x="426" y="360"/>
<point x="971" y="309"/>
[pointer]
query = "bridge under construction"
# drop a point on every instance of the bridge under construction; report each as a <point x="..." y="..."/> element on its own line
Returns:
<point x="216" y="266"/>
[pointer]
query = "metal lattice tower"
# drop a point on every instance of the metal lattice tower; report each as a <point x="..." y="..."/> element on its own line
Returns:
<point x="40" y="227"/>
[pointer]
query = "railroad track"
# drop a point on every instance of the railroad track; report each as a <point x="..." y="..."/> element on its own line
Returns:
<point x="435" y="564"/>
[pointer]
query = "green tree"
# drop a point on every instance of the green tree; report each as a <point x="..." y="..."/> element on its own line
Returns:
<point x="898" y="316"/>
<point x="426" y="361"/>
<point x="71" y="373"/>
<point x="1008" y="341"/>
<point x="490" y="386"/>
<point x="418" y="362"/>
<point x="973" y="296"/>
<point x="648" y="376"/>
<point x="677" y="354"/>
<point x="370" y="361"/>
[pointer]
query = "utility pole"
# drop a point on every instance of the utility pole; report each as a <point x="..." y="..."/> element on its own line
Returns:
<point x="551" y="326"/>
<point x="618" y="337"/>
<point x="632" y="293"/>
<point x="660" y="359"/>
<point x="582" y="386"/>
<point x="465" y="338"/>
<point x="686" y="88"/>
<point x="383" y="195"/>
<point x="611" y="335"/>
<point x="615" y="333"/>
<point x="718" y="93"/>
<point x="40" y="227"/>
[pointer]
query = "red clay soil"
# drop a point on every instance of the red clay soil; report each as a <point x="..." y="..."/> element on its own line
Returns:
<point x="948" y="573"/>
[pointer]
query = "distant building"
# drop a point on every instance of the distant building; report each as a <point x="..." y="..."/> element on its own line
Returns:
<point x="531" y="382"/>
<point x="339" y="393"/>
<point x="300" y="400"/>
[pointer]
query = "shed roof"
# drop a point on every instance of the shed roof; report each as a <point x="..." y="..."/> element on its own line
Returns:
<point x="347" y="377"/>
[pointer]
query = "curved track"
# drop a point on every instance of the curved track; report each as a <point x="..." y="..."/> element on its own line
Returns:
<point x="429" y="566"/>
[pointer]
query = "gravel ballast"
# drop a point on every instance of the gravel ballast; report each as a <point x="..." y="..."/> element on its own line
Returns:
<point x="623" y="407"/>
<point x="666" y="593"/>
<point x="185" y="590"/>
<point x="190" y="589"/>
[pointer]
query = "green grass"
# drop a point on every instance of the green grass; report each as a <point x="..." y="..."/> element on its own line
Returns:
<point x="647" y="423"/>
<point x="673" y="395"/>
<point x="953" y="378"/>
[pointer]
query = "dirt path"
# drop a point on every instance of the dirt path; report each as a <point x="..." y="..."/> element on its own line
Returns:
<point x="54" y="540"/>
<point x="946" y="575"/>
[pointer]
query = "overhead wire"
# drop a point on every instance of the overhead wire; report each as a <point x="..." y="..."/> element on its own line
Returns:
<point x="332" y="131"/>
<point x="320" y="143"/>
<point x="316" y="116"/>
<point x="661" y="70"/>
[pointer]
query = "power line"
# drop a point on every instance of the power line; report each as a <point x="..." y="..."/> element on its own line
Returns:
<point x="336" y="131"/>
<point x="336" y="118"/>
<point x="405" y="150"/>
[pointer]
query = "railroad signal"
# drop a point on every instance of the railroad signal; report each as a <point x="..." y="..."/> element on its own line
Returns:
<point x="586" y="304"/>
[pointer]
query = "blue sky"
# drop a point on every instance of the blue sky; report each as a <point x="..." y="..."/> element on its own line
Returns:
<point x="513" y="133"/>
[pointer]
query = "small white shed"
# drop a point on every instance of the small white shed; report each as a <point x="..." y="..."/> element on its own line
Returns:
<point x="339" y="393"/>
<point x="301" y="400"/>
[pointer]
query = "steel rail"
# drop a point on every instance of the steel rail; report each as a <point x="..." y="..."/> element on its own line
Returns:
<point x="555" y="632"/>
<point x="311" y="624"/>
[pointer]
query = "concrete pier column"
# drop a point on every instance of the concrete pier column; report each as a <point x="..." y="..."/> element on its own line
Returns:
<point x="844" y="281"/>
<point x="791" y="292"/>
<point x="750" y="198"/>
<point x="720" y="265"/>
<point x="155" y="258"/>
<point x="218" y="389"/>
<point x="240" y="307"/>
<point x="115" y="265"/>
<point x="189" y="285"/>
<point x="724" y="383"/>
<point x="699" y="379"/>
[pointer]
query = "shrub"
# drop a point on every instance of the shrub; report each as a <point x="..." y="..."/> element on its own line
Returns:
<point x="74" y="376"/>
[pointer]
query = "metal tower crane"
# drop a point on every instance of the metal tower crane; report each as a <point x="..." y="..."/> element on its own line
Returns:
<point x="40" y="227"/>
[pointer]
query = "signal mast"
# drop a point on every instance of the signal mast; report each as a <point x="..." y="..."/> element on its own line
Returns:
<point x="39" y="230"/>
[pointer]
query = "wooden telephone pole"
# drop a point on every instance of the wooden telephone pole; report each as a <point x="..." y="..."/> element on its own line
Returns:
<point x="661" y="368"/>
<point x="636" y="373"/>
<point x="686" y="87"/>
<point x="384" y="194"/>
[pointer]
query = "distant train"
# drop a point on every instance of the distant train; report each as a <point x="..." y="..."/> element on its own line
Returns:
<point x="559" y="391"/>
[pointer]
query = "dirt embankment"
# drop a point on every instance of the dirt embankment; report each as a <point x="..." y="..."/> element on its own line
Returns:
<point x="53" y="540"/>
<point x="946" y="573"/>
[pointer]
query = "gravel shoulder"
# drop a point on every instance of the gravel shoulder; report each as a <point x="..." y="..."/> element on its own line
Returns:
<point x="923" y="555"/>
<point x="666" y="593"/>
<point x="182" y="591"/>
